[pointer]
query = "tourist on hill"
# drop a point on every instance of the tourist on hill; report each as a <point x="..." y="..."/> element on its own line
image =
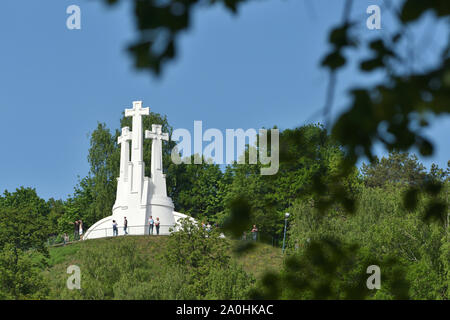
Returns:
<point x="80" y="224"/>
<point x="125" y="225"/>
<point x="151" y="222"/>
<point x="157" y="223"/>
<point x="254" y="232"/>
<point x="65" y="238"/>
<point x="208" y="227"/>
<point x="115" y="230"/>
<point x="76" y="230"/>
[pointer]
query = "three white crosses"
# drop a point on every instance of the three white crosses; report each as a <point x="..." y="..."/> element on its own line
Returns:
<point x="137" y="150"/>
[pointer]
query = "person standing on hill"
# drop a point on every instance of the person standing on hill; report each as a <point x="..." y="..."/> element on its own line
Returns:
<point x="157" y="224"/>
<point x="65" y="238"/>
<point x="80" y="231"/>
<point x="115" y="230"/>
<point x="151" y="222"/>
<point x="125" y="225"/>
<point x="255" y="232"/>
<point x="76" y="230"/>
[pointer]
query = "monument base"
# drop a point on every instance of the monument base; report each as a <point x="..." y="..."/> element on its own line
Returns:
<point x="103" y="228"/>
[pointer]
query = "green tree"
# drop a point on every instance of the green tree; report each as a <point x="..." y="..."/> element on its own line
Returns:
<point x="57" y="210"/>
<point x="204" y="256"/>
<point x="104" y="158"/>
<point x="80" y="205"/>
<point x="308" y="156"/>
<point x="382" y="229"/>
<point x="24" y="198"/>
<point x="24" y="229"/>
<point x="438" y="174"/>
<point x="23" y="220"/>
<point x="197" y="189"/>
<point x="20" y="276"/>
<point x="399" y="167"/>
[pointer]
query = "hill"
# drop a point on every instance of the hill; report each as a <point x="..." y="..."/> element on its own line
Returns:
<point x="112" y="253"/>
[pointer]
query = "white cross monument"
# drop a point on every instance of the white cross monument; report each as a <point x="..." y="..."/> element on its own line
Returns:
<point x="139" y="197"/>
<point x="137" y="144"/>
<point x="157" y="176"/>
<point x="125" y="166"/>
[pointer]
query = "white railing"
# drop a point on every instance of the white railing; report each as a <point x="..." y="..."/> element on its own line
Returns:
<point x="131" y="230"/>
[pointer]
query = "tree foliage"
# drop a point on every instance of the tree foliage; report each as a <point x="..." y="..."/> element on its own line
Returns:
<point x="205" y="257"/>
<point x="399" y="168"/>
<point x="24" y="229"/>
<point x="23" y="220"/>
<point x="328" y="254"/>
<point x="197" y="190"/>
<point x="20" y="276"/>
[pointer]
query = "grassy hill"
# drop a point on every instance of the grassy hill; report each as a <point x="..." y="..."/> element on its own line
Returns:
<point x="149" y="248"/>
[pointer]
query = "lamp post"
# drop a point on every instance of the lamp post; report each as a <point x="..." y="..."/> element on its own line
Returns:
<point x="286" y="216"/>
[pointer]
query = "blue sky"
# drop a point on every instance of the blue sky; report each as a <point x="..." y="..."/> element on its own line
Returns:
<point x="257" y="69"/>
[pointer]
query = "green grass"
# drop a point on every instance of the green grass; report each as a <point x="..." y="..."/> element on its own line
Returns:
<point x="262" y="258"/>
<point x="63" y="253"/>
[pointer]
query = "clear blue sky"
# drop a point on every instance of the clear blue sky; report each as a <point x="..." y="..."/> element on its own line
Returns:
<point x="260" y="68"/>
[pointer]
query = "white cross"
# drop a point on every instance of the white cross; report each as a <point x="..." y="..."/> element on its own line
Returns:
<point x="157" y="136"/>
<point x="137" y="112"/>
<point x="124" y="151"/>
<point x="126" y="135"/>
<point x="156" y="133"/>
